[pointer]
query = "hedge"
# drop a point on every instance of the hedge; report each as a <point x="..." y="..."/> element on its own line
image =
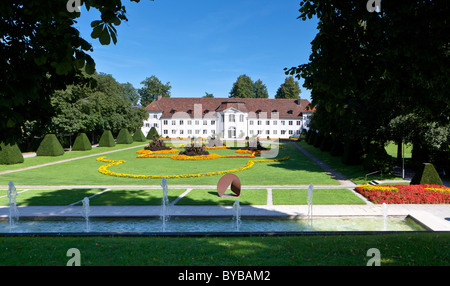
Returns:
<point x="139" y="136"/>
<point x="124" y="137"/>
<point x="82" y="143"/>
<point x="50" y="146"/>
<point x="426" y="174"/>
<point x="10" y="154"/>
<point x="152" y="133"/>
<point x="107" y="139"/>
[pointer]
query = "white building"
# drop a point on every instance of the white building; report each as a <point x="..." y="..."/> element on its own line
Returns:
<point x="228" y="118"/>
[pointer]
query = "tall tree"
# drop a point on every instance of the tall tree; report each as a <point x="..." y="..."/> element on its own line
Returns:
<point x="153" y="88"/>
<point x="129" y="92"/>
<point x="41" y="51"/>
<point x="208" y="95"/>
<point x="242" y="88"/>
<point x="289" y="89"/>
<point x="260" y="89"/>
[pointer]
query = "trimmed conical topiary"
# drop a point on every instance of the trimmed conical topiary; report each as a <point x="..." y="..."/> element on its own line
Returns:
<point x="124" y="137"/>
<point x="152" y="133"/>
<point x="82" y="143"/>
<point x="107" y="139"/>
<point x="426" y="175"/>
<point x="10" y="154"/>
<point x="139" y="136"/>
<point x="50" y="146"/>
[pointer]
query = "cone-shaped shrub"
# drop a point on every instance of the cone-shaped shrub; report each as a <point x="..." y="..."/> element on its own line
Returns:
<point x="50" y="146"/>
<point x="138" y="136"/>
<point x="152" y="133"/>
<point x="426" y="175"/>
<point x="124" y="137"/>
<point x="10" y="154"/>
<point x="107" y="139"/>
<point x="81" y="143"/>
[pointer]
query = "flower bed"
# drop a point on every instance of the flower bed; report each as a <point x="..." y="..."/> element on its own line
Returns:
<point x="104" y="170"/>
<point x="406" y="194"/>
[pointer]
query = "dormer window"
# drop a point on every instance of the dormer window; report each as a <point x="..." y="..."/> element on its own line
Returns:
<point x="189" y="111"/>
<point x="289" y="111"/>
<point x="172" y="111"/>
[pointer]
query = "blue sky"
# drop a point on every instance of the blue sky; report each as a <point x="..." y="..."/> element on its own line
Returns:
<point x="204" y="45"/>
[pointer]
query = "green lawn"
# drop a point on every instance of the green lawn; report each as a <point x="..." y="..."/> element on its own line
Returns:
<point x="403" y="249"/>
<point x="320" y="197"/>
<point x="391" y="149"/>
<point x="356" y="173"/>
<point x="297" y="170"/>
<point x="210" y="197"/>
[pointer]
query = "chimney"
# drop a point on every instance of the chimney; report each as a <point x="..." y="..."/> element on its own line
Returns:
<point x="159" y="97"/>
<point x="299" y="102"/>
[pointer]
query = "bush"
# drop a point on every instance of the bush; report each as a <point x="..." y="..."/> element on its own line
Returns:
<point x="81" y="143"/>
<point x="426" y="175"/>
<point x="152" y="133"/>
<point x="124" y="137"/>
<point x="352" y="153"/>
<point x="326" y="144"/>
<point x="318" y="140"/>
<point x="138" y="136"/>
<point x="50" y="146"/>
<point x="107" y="139"/>
<point x="377" y="159"/>
<point x="337" y="149"/>
<point x="10" y="154"/>
<point x="312" y="137"/>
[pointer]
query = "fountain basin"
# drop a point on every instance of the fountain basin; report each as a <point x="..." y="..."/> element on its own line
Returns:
<point x="209" y="225"/>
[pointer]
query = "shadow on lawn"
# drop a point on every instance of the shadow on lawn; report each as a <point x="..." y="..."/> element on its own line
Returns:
<point x="51" y="197"/>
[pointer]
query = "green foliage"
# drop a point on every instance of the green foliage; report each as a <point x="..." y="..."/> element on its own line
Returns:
<point x="152" y="134"/>
<point x="337" y="149"/>
<point x="82" y="143"/>
<point x="153" y="88"/>
<point x="10" y="154"/>
<point x="327" y="143"/>
<point x="260" y="89"/>
<point x="289" y="89"/>
<point x="377" y="159"/>
<point x="242" y="88"/>
<point x="318" y="140"/>
<point x="139" y="136"/>
<point x="50" y="146"/>
<point x="51" y="56"/>
<point x="107" y="139"/>
<point x="426" y="175"/>
<point x="208" y="95"/>
<point x="124" y="137"/>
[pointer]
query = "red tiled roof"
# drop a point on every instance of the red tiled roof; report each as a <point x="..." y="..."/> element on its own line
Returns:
<point x="286" y="108"/>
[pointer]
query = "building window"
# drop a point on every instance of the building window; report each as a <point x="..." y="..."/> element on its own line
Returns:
<point x="181" y="122"/>
<point x="267" y="132"/>
<point x="251" y="132"/>
<point x="205" y="132"/>
<point x="174" y="122"/>
<point x="241" y="118"/>
<point x="283" y="132"/>
<point x="251" y="122"/>
<point x="259" y="122"/>
<point x="181" y="132"/>
<point x="290" y="122"/>
<point x="232" y="118"/>
<point x="268" y="122"/>
<point x="282" y="122"/>
<point x="147" y="124"/>
<point x="189" y="122"/>
<point x="274" y="122"/>
<point x="155" y="116"/>
<point x="165" y="122"/>
<point x="155" y="125"/>
<point x="166" y="132"/>
<point x="291" y="132"/>
<point x="299" y="122"/>
<point x="213" y="122"/>
<point x="197" y="132"/>
<point x="197" y="122"/>
<point x="297" y="132"/>
<point x="275" y="132"/>
<point x="205" y="122"/>
<point x="189" y="131"/>
<point x="174" y="132"/>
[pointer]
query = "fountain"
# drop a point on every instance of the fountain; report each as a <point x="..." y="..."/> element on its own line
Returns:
<point x="310" y="205"/>
<point x="237" y="215"/>
<point x="13" y="211"/>
<point x="85" y="212"/>
<point x="164" y="204"/>
<point x="384" y="216"/>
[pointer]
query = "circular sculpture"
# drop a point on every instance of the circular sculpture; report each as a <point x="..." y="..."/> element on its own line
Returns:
<point x="225" y="181"/>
